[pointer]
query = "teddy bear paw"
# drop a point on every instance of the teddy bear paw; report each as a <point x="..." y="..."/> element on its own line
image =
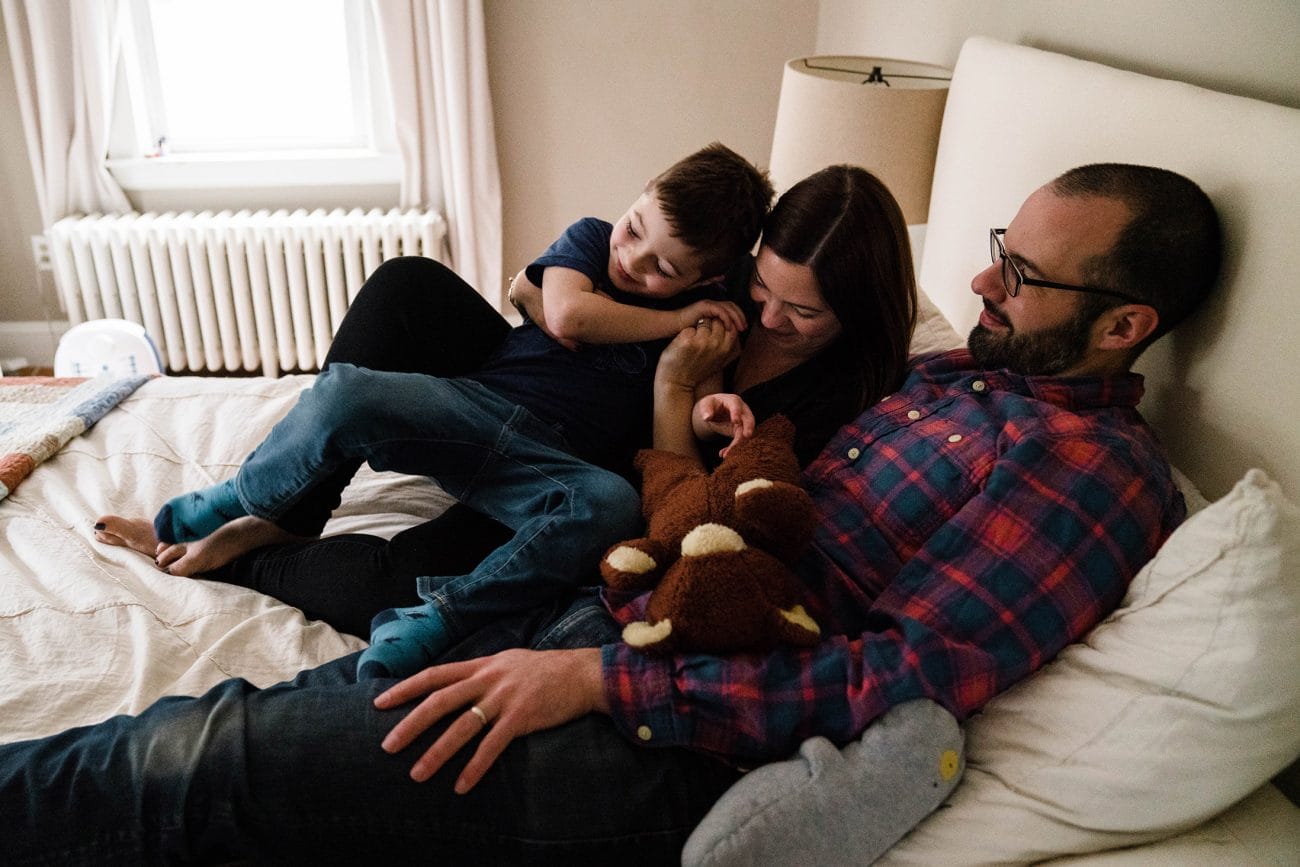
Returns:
<point x="711" y="539"/>
<point x="635" y="565"/>
<point x="632" y="561"/>
<point x="752" y="485"/>
<point x="643" y="635"/>
<point x="797" y="627"/>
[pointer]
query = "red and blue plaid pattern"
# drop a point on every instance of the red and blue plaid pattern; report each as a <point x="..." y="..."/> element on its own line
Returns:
<point x="971" y="525"/>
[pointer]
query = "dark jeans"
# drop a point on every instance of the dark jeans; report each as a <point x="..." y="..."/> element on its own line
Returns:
<point x="413" y="315"/>
<point x="294" y="773"/>
<point x="345" y="580"/>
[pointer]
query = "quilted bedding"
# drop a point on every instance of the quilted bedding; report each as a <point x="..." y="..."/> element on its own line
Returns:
<point x="88" y="630"/>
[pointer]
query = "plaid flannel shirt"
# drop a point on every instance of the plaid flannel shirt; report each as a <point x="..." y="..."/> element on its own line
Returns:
<point x="970" y="526"/>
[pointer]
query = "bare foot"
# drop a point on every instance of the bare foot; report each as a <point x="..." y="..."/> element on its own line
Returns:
<point x="193" y="558"/>
<point x="134" y="533"/>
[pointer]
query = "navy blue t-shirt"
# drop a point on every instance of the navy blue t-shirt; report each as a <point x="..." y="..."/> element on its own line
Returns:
<point x="599" y="398"/>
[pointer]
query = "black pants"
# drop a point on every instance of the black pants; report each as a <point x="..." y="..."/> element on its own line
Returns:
<point x="413" y="315"/>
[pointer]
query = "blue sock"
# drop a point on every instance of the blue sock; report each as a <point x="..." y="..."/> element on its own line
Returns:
<point x="192" y="516"/>
<point x="403" y="641"/>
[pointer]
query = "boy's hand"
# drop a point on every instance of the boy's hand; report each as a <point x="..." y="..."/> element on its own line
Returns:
<point x="723" y="415"/>
<point x="724" y="311"/>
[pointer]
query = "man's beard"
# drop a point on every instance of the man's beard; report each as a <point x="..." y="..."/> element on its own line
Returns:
<point x="1038" y="353"/>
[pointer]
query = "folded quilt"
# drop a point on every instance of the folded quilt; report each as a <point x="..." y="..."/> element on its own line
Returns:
<point x="39" y="415"/>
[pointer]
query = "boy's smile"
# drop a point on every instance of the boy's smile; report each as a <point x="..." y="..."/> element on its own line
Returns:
<point x="646" y="258"/>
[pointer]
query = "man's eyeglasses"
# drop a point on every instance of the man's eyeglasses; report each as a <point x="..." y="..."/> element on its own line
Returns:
<point x="1013" y="278"/>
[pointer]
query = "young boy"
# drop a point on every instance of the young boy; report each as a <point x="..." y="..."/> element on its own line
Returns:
<point x="539" y="436"/>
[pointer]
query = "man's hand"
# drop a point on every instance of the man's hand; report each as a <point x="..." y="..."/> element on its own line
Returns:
<point x="517" y="691"/>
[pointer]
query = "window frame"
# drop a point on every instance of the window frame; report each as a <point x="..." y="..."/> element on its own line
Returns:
<point x="137" y="101"/>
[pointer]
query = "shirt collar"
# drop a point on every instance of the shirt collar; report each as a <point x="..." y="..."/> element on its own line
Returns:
<point x="1069" y="392"/>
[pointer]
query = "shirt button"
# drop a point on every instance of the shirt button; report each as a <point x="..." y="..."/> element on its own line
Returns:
<point x="978" y="385"/>
<point x="853" y="454"/>
<point x="914" y="414"/>
<point x="955" y="438"/>
<point x="644" y="733"/>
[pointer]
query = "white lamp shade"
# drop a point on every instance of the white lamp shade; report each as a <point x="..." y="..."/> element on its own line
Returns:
<point x="829" y="113"/>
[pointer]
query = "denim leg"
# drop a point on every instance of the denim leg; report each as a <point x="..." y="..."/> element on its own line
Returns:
<point x="294" y="773"/>
<point x="346" y="580"/>
<point x="412" y="315"/>
<point x="405" y="422"/>
<point x="565" y="513"/>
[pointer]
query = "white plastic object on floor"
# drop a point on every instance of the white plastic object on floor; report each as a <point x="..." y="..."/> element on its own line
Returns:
<point x="113" y="345"/>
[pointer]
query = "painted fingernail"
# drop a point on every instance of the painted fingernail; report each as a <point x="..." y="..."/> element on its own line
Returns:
<point x="100" y="525"/>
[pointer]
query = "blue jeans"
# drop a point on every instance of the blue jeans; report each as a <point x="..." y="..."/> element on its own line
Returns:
<point x="295" y="773"/>
<point x="489" y="453"/>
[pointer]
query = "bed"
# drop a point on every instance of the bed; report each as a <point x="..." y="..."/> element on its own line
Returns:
<point x="1153" y="741"/>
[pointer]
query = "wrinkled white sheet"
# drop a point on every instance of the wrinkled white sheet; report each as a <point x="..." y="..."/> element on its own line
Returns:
<point x="88" y="630"/>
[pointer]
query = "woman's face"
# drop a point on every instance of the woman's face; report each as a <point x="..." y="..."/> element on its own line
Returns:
<point x="791" y="307"/>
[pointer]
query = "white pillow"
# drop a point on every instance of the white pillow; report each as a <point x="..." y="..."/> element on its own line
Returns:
<point x="933" y="331"/>
<point x="1179" y="704"/>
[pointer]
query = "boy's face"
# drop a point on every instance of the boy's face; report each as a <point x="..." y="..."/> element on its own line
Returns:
<point x="645" y="258"/>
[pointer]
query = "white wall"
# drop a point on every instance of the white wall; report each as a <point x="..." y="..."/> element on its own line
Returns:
<point x="594" y="98"/>
<point x="591" y="98"/>
<point x="1250" y="48"/>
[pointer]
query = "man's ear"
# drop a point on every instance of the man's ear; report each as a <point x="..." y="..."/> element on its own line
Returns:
<point x="1126" y="326"/>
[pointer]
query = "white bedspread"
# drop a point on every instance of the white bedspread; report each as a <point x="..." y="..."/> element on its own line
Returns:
<point x="88" y="630"/>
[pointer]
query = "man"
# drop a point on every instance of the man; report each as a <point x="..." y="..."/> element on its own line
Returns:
<point x="972" y="524"/>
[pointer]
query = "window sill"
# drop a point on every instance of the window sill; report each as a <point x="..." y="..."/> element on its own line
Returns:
<point x="255" y="170"/>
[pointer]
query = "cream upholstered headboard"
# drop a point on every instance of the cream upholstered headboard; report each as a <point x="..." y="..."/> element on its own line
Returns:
<point x="1224" y="389"/>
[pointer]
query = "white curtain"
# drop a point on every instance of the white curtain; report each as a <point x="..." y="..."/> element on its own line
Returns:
<point x="63" y="54"/>
<point x="435" y="52"/>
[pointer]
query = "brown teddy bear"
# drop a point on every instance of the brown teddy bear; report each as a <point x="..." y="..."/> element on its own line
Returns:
<point x="719" y="549"/>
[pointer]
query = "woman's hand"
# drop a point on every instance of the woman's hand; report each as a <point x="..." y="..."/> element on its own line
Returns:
<point x="517" y="691"/>
<point x="696" y="354"/>
<point x="723" y="415"/>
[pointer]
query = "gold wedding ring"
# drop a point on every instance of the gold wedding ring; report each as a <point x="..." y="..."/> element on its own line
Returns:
<point x="478" y="712"/>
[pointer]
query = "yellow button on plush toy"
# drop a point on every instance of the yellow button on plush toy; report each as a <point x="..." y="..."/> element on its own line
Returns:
<point x="948" y="764"/>
<point x="644" y="733"/>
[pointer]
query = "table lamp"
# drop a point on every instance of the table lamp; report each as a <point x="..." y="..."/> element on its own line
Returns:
<point x="878" y="113"/>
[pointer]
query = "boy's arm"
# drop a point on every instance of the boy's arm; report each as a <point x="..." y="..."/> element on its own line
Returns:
<point x="526" y="296"/>
<point x="574" y="311"/>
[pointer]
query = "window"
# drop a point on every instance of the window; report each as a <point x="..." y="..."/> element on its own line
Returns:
<point x="249" y="93"/>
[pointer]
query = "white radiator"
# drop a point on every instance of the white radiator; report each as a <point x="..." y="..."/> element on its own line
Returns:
<point x="232" y="291"/>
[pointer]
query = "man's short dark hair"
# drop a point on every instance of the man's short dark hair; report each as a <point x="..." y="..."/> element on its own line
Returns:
<point x="1170" y="252"/>
<point x="715" y="200"/>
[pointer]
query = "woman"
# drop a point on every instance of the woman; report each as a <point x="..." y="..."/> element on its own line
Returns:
<point x="833" y="304"/>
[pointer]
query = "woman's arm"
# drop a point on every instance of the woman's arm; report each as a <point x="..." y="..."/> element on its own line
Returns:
<point x="690" y="367"/>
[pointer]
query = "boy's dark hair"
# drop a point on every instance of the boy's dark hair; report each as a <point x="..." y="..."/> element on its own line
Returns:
<point x="1170" y="252"/>
<point x="715" y="200"/>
